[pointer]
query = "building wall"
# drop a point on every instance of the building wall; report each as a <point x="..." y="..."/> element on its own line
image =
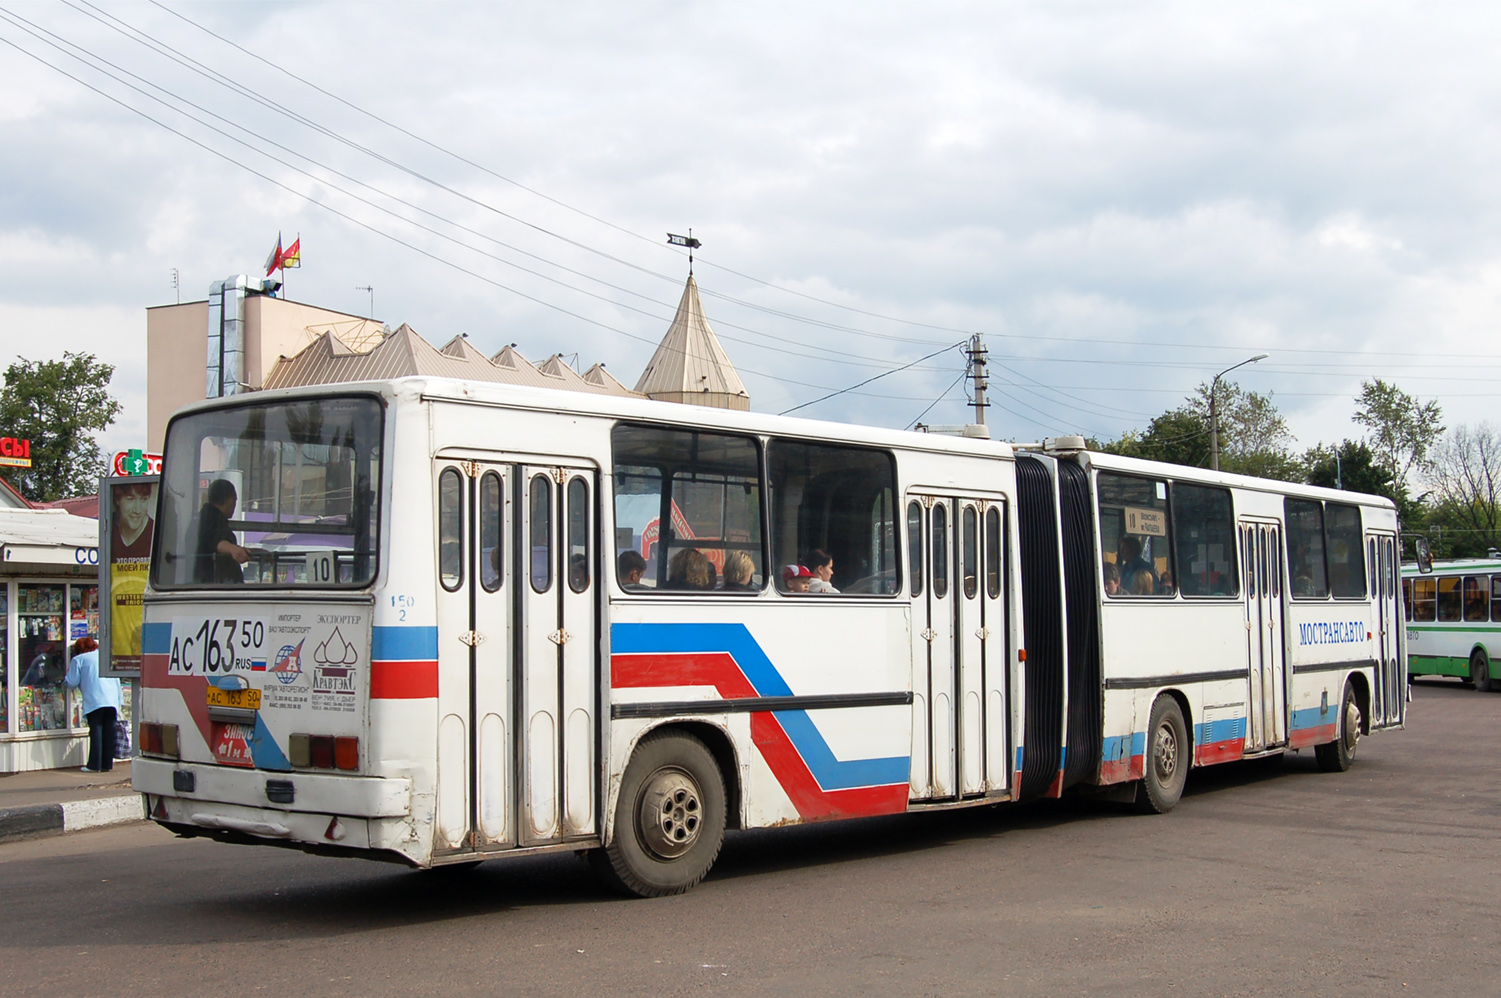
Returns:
<point x="177" y="350"/>
<point x="176" y="363"/>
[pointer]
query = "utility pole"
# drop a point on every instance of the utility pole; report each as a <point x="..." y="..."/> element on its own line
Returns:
<point x="977" y="354"/>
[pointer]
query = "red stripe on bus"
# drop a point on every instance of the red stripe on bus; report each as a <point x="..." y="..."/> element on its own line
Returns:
<point x="814" y="803"/>
<point x="403" y="680"/>
<point x="713" y="668"/>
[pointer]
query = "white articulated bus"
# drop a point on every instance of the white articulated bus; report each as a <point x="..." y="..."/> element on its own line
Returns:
<point x="442" y="622"/>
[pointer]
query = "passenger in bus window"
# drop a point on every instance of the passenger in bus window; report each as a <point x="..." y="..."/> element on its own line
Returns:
<point x="1112" y="579"/>
<point x="821" y="564"/>
<point x="738" y="570"/>
<point x="796" y="578"/>
<point x="1303" y="584"/>
<point x="1138" y="578"/>
<point x="689" y="569"/>
<point x="629" y="567"/>
<point x="218" y="557"/>
<point x="1165" y="585"/>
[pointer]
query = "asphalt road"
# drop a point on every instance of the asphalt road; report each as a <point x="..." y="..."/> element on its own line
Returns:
<point x="1379" y="881"/>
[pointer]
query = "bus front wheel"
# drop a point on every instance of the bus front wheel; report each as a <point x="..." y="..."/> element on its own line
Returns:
<point x="1480" y="671"/>
<point x="1167" y="758"/>
<point x="670" y="818"/>
<point x="1336" y="756"/>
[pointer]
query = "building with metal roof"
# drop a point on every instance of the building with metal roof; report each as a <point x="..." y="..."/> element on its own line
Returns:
<point x="690" y="365"/>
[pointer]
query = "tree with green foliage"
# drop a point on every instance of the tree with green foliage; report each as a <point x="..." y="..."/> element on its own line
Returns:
<point x="1466" y="478"/>
<point x="1351" y="466"/>
<point x="58" y="405"/>
<point x="1403" y="430"/>
<point x="1253" y="435"/>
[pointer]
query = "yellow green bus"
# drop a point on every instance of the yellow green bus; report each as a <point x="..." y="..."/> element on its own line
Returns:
<point x="1454" y="620"/>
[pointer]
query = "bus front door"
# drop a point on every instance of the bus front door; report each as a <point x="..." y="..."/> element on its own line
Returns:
<point x="517" y="677"/>
<point x="1261" y="560"/>
<point x="1391" y="682"/>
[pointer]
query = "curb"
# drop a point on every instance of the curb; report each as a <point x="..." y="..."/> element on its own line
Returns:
<point x="41" y="820"/>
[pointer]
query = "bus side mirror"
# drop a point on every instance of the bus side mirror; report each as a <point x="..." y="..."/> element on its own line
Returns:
<point x="1425" y="554"/>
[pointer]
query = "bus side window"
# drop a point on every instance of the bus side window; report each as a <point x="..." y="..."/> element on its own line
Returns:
<point x="1407" y="599"/>
<point x="1347" y="579"/>
<point x="835" y="499"/>
<point x="994" y="545"/>
<point x="1495" y="597"/>
<point x="540" y="540"/>
<point x="578" y="535"/>
<point x="1305" y="548"/>
<point x="1424" y="599"/>
<point x="914" y="546"/>
<point x="940" y="550"/>
<point x="1204" y="541"/>
<point x="491" y="546"/>
<point x="1476" y="599"/>
<point x="450" y="529"/>
<point x="1449" y="599"/>
<point x="969" y="571"/>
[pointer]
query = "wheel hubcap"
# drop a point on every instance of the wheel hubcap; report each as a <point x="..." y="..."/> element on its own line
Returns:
<point x="1352" y="727"/>
<point x="1165" y="752"/>
<point x="670" y="814"/>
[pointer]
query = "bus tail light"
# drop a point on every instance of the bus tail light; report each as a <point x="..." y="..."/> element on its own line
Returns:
<point x="322" y="747"/>
<point x="159" y="739"/>
<point x="347" y="753"/>
<point x="323" y="752"/>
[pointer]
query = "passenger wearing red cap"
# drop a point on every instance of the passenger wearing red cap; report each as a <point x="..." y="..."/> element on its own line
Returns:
<point x="796" y="578"/>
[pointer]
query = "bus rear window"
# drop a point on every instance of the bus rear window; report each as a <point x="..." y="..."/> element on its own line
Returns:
<point x="280" y="494"/>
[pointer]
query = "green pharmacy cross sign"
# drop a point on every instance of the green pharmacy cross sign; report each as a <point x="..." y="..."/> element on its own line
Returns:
<point x="135" y="463"/>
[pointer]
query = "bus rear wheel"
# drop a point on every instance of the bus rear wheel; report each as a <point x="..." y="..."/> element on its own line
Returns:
<point x="1167" y="758"/>
<point x="1480" y="671"/>
<point x="670" y="818"/>
<point x="1336" y="756"/>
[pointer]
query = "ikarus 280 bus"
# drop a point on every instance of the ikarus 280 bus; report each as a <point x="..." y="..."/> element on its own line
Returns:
<point x="441" y="622"/>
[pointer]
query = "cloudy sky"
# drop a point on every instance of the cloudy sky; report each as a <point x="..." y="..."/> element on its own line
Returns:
<point x="1122" y="198"/>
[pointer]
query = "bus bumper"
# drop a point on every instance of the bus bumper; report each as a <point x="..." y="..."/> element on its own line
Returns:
<point x="263" y="803"/>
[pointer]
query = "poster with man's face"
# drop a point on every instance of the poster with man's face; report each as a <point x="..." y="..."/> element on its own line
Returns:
<point x="131" y="525"/>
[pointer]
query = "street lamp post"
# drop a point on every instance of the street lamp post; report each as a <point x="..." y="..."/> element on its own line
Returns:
<point x="1214" y="411"/>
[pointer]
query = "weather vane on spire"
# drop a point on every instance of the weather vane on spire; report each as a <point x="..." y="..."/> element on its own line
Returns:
<point x="688" y="241"/>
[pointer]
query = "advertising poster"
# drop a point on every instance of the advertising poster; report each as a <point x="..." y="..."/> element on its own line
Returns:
<point x="127" y="524"/>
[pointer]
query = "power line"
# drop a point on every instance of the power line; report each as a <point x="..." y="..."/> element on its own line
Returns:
<point x="867" y="381"/>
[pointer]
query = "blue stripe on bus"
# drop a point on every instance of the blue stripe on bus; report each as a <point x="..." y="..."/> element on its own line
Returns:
<point x="1314" y="717"/>
<point x="404" y="644"/>
<point x="1124" y="746"/>
<point x="1228" y="730"/>
<point x="829" y="771"/>
<point x="667" y="639"/>
<point x="156" y="639"/>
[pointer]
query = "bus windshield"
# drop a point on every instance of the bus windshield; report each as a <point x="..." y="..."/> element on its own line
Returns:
<point x="280" y="494"/>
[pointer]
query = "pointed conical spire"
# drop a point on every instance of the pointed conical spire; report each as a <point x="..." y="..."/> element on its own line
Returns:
<point x="690" y="365"/>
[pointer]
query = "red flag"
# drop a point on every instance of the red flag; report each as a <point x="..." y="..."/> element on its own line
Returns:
<point x="275" y="259"/>
<point x="292" y="256"/>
